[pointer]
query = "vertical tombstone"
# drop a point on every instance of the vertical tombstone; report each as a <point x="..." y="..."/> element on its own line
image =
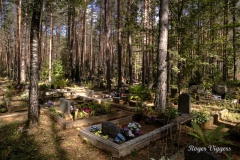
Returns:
<point x="64" y="105"/>
<point x="184" y="103"/>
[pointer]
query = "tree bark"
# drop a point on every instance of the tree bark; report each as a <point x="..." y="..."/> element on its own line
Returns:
<point x="50" y="45"/>
<point x="19" y="39"/>
<point x="77" y="75"/>
<point x="91" y="59"/>
<point x="70" y="40"/>
<point x="119" y="45"/>
<point x="235" y="58"/>
<point x="107" y="50"/>
<point x="225" y="32"/>
<point x="34" y="110"/>
<point x="129" y="37"/>
<point x="161" y="90"/>
<point x="83" y="47"/>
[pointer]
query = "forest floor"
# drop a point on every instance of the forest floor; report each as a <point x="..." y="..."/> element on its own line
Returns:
<point x="48" y="141"/>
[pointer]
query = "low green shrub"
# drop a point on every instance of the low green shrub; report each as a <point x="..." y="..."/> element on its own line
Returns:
<point x="201" y="117"/>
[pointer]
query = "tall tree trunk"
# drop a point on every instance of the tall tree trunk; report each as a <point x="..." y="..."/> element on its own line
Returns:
<point x="19" y="40"/>
<point x="1" y="35"/>
<point x="107" y="50"/>
<point x="15" y="52"/>
<point x="225" y="45"/>
<point x="100" y="43"/>
<point x="161" y="90"/>
<point x="70" y="40"/>
<point x="50" y="45"/>
<point x="72" y="43"/>
<point x="83" y="41"/>
<point x="45" y="45"/>
<point x="34" y="110"/>
<point x="77" y="75"/>
<point x="91" y="45"/>
<point x="119" y="45"/>
<point x="144" y="56"/>
<point x="8" y="59"/>
<point x="180" y="78"/>
<point x="40" y="54"/>
<point x="235" y="58"/>
<point x="129" y="37"/>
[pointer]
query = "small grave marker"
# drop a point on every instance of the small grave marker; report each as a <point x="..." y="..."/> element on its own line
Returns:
<point x="64" y="105"/>
<point x="184" y="103"/>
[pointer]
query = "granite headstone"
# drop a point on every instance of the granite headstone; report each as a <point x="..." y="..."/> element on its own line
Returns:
<point x="184" y="103"/>
<point x="110" y="129"/>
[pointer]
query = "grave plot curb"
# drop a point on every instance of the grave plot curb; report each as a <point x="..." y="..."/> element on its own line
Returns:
<point x="123" y="149"/>
<point x="88" y="121"/>
<point x="218" y="119"/>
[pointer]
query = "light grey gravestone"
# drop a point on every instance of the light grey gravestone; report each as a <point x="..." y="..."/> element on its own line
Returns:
<point x="64" y="105"/>
<point x="184" y="103"/>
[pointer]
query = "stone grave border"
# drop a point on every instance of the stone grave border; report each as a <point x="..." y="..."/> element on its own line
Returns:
<point x="218" y="120"/>
<point x="125" y="148"/>
<point x="87" y="121"/>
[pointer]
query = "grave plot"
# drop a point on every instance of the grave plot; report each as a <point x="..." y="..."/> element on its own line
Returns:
<point x="125" y="147"/>
<point x="72" y="115"/>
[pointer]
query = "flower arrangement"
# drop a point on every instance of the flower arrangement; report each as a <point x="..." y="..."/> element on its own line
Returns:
<point x="50" y="103"/>
<point x="85" y="112"/>
<point x="131" y="130"/>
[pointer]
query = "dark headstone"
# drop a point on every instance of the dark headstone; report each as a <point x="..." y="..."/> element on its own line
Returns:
<point x="199" y="155"/>
<point x="196" y="89"/>
<point x="220" y="90"/>
<point x="184" y="103"/>
<point x="110" y="129"/>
